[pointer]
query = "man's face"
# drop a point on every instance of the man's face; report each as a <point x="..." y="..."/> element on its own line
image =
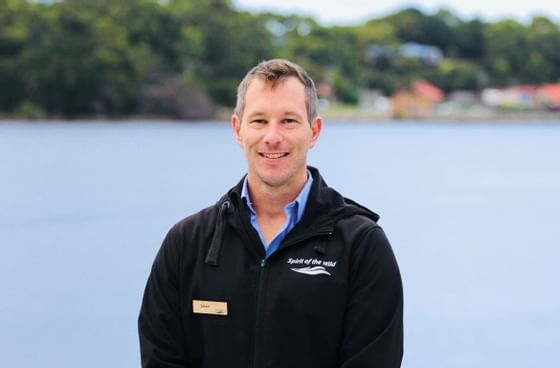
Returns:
<point x="275" y="133"/>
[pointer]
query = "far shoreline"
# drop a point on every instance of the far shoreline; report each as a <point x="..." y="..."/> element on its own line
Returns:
<point x="339" y="116"/>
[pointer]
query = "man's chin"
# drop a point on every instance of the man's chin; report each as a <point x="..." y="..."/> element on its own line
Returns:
<point x="274" y="179"/>
<point x="274" y="182"/>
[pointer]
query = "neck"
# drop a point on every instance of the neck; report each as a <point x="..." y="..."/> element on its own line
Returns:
<point x="270" y="201"/>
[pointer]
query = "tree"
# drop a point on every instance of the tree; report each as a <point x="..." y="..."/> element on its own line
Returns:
<point x="16" y="36"/>
<point x="543" y="60"/>
<point x="505" y="59"/>
<point x="228" y="42"/>
<point x="470" y="40"/>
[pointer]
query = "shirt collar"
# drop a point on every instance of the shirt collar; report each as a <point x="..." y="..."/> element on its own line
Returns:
<point x="299" y="202"/>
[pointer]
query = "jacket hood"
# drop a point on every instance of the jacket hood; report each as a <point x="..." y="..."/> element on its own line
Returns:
<point x="326" y="204"/>
<point x="324" y="208"/>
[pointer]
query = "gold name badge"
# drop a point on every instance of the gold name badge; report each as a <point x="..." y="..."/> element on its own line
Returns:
<point x="208" y="307"/>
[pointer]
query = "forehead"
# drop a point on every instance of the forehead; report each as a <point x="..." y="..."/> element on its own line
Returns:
<point x="289" y="89"/>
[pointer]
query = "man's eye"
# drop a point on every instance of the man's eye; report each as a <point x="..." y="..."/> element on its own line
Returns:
<point x="290" y="121"/>
<point x="258" y="121"/>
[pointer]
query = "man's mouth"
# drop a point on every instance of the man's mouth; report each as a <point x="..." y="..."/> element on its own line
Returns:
<point x="273" y="155"/>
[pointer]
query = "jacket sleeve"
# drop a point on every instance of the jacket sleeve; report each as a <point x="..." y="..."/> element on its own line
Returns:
<point x="373" y="324"/>
<point x="162" y="341"/>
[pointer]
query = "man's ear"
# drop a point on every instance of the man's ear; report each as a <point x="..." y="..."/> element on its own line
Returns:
<point x="316" y="126"/>
<point x="236" y="127"/>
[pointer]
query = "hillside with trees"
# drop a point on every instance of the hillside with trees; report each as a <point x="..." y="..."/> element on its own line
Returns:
<point x="184" y="58"/>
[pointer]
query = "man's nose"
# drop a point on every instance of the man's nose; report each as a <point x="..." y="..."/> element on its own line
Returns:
<point x="273" y="135"/>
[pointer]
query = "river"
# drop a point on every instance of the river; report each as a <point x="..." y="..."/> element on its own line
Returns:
<point x="472" y="211"/>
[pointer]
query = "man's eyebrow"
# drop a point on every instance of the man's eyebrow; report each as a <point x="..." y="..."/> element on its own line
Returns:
<point x="293" y="113"/>
<point x="256" y="114"/>
<point x="260" y="114"/>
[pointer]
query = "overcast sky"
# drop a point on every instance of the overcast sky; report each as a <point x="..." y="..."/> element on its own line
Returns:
<point x="356" y="11"/>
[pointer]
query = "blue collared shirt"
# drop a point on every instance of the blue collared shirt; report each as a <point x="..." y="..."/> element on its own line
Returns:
<point x="294" y="213"/>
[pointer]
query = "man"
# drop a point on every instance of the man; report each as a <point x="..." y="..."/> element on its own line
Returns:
<point x="282" y="271"/>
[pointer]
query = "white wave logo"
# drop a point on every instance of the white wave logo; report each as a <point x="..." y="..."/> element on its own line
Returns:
<point x="316" y="270"/>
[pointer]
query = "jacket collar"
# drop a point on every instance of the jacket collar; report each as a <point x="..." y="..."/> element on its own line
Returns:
<point x="325" y="206"/>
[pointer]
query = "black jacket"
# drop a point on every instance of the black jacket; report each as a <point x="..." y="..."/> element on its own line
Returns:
<point x="330" y="296"/>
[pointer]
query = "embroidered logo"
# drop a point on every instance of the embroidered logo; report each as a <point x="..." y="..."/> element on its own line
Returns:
<point x="317" y="270"/>
<point x="312" y="266"/>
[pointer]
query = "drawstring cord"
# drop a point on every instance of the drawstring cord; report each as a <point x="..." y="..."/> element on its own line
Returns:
<point x="216" y="244"/>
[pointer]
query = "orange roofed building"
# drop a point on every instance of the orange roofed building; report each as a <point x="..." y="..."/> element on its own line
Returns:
<point x="548" y="96"/>
<point x="417" y="101"/>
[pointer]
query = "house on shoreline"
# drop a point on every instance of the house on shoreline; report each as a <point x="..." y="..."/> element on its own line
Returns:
<point x="524" y="97"/>
<point x="420" y="99"/>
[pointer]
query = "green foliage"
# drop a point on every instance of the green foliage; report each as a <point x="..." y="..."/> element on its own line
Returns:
<point x="224" y="44"/>
<point x="506" y="43"/>
<point x="459" y="75"/>
<point x="181" y="58"/>
<point x="380" y="32"/>
<point x="28" y="110"/>
<point x="345" y="90"/>
<point x="543" y="57"/>
<point x="469" y="40"/>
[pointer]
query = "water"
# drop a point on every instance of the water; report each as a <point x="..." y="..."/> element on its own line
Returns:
<point x="471" y="211"/>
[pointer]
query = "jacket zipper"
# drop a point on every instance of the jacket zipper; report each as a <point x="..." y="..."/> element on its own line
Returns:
<point x="259" y="318"/>
<point x="259" y="314"/>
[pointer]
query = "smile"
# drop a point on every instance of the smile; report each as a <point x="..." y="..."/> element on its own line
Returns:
<point x="273" y="155"/>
